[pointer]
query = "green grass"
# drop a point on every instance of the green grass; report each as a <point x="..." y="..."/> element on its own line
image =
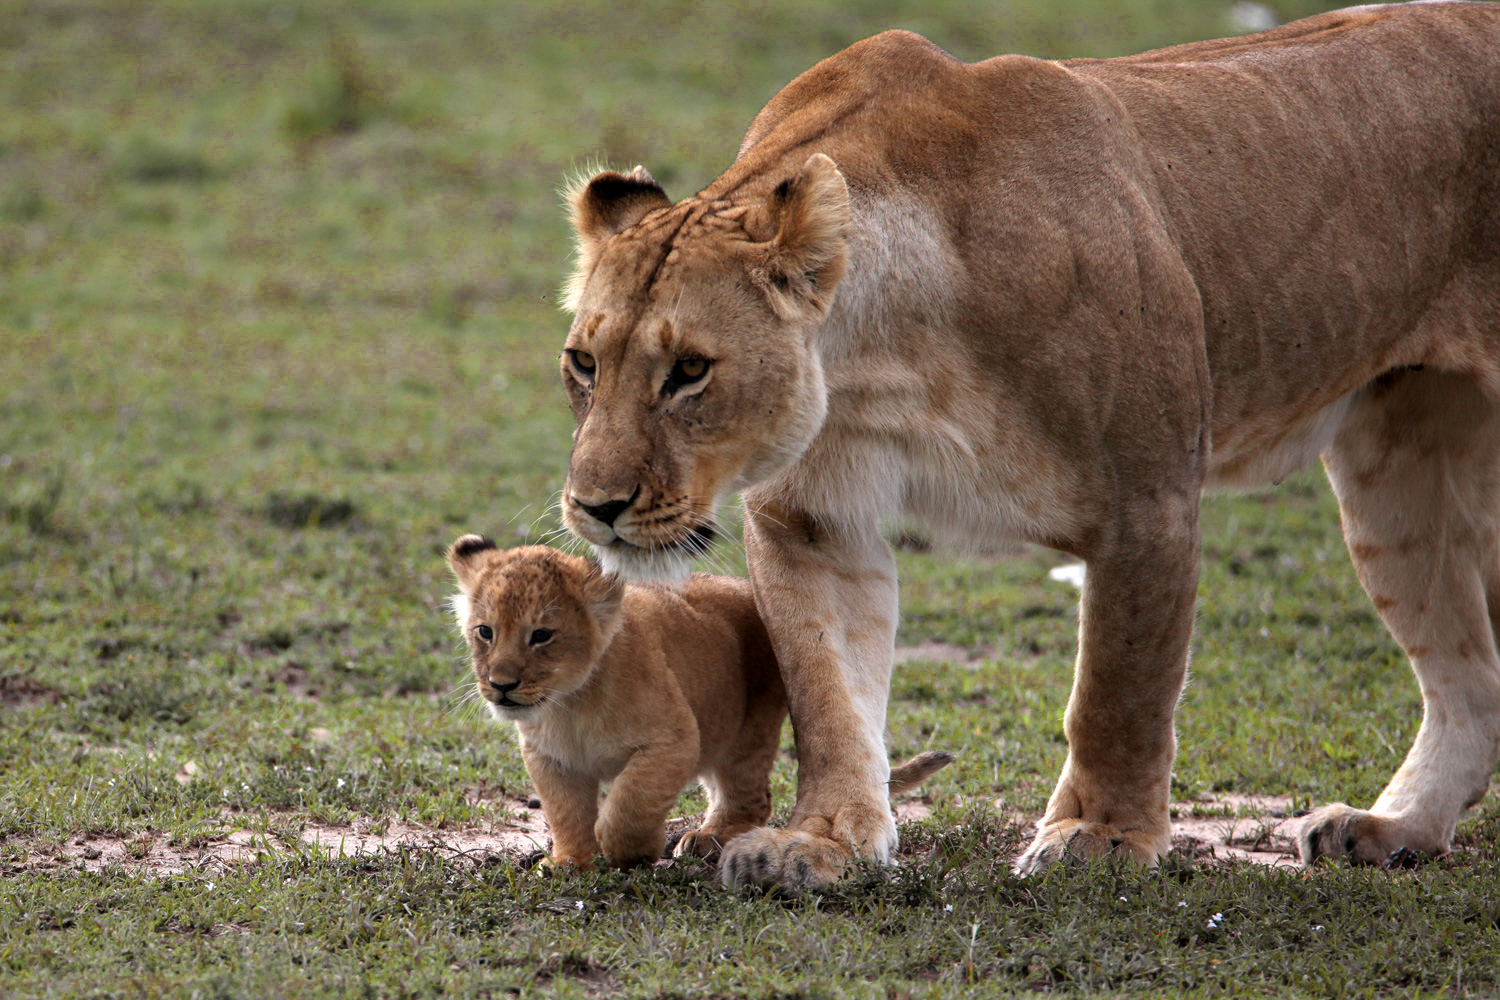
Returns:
<point x="277" y="323"/>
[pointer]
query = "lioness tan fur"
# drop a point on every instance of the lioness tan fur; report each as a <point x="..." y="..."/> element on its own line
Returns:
<point x="643" y="687"/>
<point x="1056" y="301"/>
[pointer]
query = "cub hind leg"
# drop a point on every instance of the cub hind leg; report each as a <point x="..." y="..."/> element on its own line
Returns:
<point x="739" y="785"/>
<point x="1416" y="467"/>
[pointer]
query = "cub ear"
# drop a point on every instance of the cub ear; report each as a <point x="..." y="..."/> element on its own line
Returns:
<point x="806" y="258"/>
<point x="603" y="593"/>
<point x="462" y="558"/>
<point x="609" y="203"/>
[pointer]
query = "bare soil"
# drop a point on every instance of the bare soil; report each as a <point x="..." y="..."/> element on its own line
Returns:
<point x="1252" y="828"/>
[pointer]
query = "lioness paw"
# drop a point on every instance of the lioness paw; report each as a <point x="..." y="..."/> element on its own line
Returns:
<point x="1339" y="831"/>
<point x="793" y="858"/>
<point x="1077" y="840"/>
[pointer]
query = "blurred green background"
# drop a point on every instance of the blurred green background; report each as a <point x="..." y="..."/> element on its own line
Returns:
<point x="278" y="322"/>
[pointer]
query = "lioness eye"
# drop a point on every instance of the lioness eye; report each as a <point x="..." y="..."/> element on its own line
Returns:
<point x="583" y="361"/>
<point x="485" y="632"/>
<point x="540" y="636"/>
<point x="685" y="372"/>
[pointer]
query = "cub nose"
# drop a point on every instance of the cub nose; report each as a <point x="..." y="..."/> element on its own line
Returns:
<point x="505" y="689"/>
<point x="607" y="512"/>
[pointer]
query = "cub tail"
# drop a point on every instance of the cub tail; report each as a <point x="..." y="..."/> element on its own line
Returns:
<point x="906" y="777"/>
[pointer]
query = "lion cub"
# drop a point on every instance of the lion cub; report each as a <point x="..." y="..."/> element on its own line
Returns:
<point x="642" y="687"/>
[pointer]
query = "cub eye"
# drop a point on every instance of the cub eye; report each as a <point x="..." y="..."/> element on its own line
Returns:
<point x="685" y="372"/>
<point x="583" y="361"/>
<point x="540" y="636"/>
<point x="485" y="632"/>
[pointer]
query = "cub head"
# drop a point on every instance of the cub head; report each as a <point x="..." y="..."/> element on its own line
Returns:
<point x="691" y="364"/>
<point x="536" y="621"/>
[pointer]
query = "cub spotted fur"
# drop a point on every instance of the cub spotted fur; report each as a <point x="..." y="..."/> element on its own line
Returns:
<point x="643" y="687"/>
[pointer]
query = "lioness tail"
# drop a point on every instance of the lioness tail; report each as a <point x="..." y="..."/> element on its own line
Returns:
<point x="906" y="777"/>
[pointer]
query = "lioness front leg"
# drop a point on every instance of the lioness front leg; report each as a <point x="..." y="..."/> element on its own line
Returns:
<point x="828" y="597"/>
<point x="1135" y="621"/>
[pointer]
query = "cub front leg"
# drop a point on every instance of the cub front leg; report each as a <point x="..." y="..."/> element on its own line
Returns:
<point x="570" y="802"/>
<point x="829" y="600"/>
<point x="632" y="825"/>
<point x="1135" y="623"/>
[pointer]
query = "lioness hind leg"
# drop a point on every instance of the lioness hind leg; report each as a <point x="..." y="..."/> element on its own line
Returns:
<point x="1416" y="467"/>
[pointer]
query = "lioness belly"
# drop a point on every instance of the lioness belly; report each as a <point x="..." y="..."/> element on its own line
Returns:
<point x="1247" y="461"/>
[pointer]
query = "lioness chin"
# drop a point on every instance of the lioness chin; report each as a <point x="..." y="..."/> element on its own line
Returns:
<point x="1056" y="301"/>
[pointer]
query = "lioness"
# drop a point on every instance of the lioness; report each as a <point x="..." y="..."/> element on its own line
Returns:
<point x="643" y="687"/>
<point x="1056" y="301"/>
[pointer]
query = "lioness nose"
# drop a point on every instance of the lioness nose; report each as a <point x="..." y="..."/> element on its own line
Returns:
<point x="607" y="512"/>
<point x="505" y="688"/>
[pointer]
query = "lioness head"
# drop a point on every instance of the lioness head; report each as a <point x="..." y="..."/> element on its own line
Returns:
<point x="536" y="621"/>
<point x="690" y="364"/>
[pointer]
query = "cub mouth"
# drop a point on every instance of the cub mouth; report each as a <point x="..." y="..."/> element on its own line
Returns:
<point x="506" y="702"/>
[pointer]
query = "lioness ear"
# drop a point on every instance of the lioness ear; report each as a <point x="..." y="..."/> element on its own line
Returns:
<point x="609" y="203"/>
<point x="461" y="558"/>
<point x="806" y="258"/>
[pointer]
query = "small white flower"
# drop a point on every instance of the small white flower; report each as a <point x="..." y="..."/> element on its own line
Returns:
<point x="1317" y="927"/>
<point x="1124" y="900"/>
<point x="340" y="783"/>
<point x="1213" y="921"/>
<point x="1182" y="904"/>
<point x="208" y="885"/>
<point x="948" y="908"/>
<point x="579" y="904"/>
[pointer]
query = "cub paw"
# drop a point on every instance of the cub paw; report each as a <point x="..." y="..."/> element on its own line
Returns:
<point x="793" y="858"/>
<point x="1339" y="831"/>
<point x="1078" y="840"/>
<point x="629" y="849"/>
<point x="705" y="842"/>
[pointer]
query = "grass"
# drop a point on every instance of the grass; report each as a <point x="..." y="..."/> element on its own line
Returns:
<point x="277" y="324"/>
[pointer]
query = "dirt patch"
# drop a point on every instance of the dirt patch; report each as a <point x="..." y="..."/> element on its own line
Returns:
<point x="20" y="689"/>
<point x="513" y="841"/>
<point x="913" y="810"/>
<point x="1257" y="829"/>
<point x="518" y="833"/>
<point x="1260" y="829"/>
